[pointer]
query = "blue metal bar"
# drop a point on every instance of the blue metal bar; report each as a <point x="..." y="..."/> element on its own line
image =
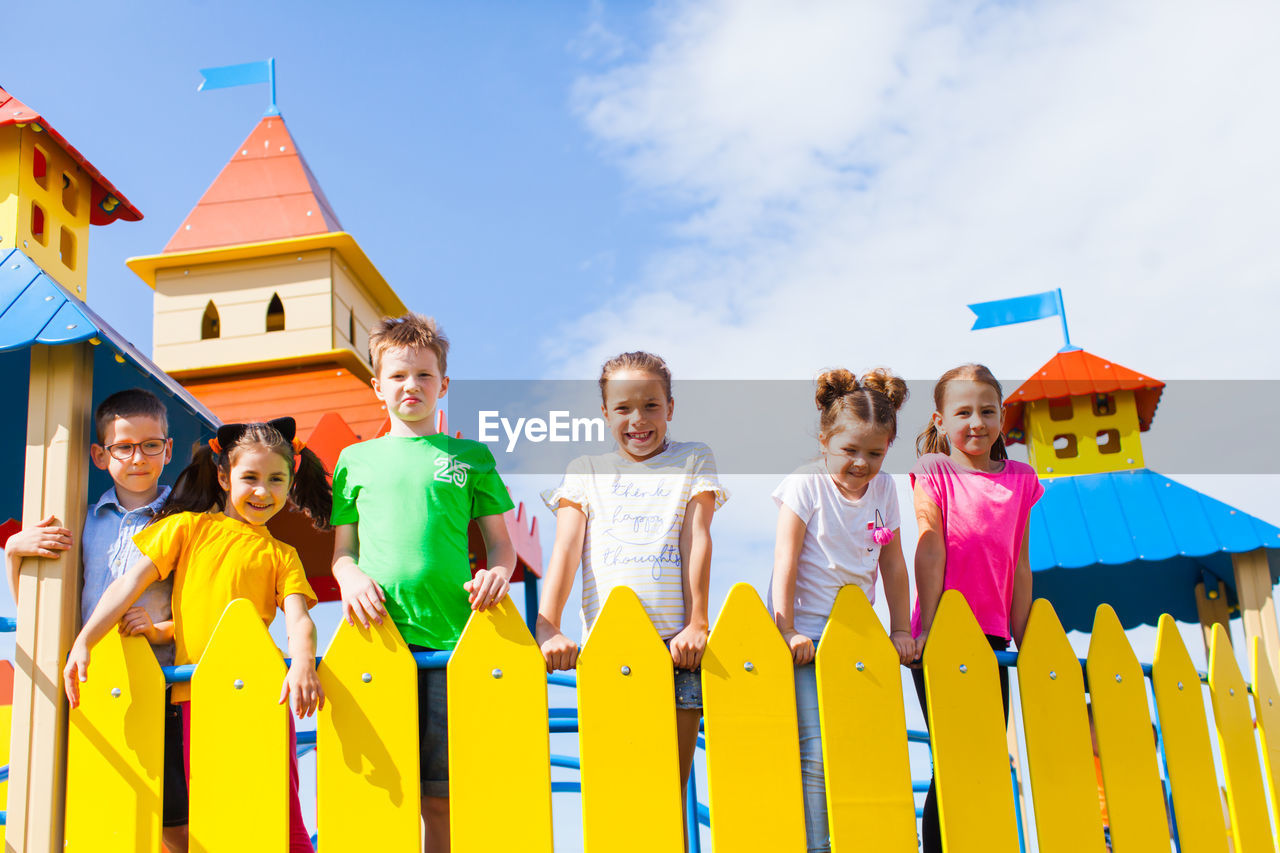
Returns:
<point x="4" y="773"/>
<point x="558" y="713"/>
<point x="692" y="830"/>
<point x="8" y="625"/>
<point x="569" y="762"/>
<point x="530" y="601"/>
<point x="566" y="788"/>
<point x="562" y="679"/>
<point x="1017" y="806"/>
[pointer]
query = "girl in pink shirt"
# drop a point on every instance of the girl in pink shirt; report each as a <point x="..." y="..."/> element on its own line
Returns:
<point x="972" y="504"/>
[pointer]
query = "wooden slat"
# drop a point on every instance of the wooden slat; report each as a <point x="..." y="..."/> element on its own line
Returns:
<point x="1187" y="749"/>
<point x="1266" y="701"/>
<point x="966" y="727"/>
<point x="870" y="805"/>
<point x="367" y="776"/>
<point x="627" y="734"/>
<point x="498" y="737"/>
<point x="1250" y="826"/>
<point x="115" y="751"/>
<point x="1059" y="751"/>
<point x="239" y="739"/>
<point x="1126" y="740"/>
<point x="753" y="743"/>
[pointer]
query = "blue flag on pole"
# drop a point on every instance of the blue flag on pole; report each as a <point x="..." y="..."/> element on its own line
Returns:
<point x="244" y="74"/>
<point x="1022" y="309"/>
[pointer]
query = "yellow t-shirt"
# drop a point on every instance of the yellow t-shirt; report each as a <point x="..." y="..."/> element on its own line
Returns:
<point x="215" y="560"/>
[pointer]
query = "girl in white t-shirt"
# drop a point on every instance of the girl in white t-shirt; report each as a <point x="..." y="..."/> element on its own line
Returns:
<point x="638" y="517"/>
<point x="837" y="524"/>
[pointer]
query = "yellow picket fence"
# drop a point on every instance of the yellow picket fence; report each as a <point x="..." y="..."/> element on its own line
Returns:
<point x="367" y="774"/>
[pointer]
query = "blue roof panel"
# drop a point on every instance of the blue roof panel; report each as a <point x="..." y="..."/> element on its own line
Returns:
<point x="1138" y="541"/>
<point x="36" y="308"/>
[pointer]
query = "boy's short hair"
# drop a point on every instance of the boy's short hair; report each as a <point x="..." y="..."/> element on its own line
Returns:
<point x="412" y="331"/>
<point x="131" y="402"/>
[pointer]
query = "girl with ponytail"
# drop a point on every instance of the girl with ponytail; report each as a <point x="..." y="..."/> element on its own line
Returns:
<point x="212" y="538"/>
<point x="972" y="504"/>
<point x="838" y="524"/>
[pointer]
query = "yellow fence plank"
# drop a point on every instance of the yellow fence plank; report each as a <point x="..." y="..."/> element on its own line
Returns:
<point x="1266" y="701"/>
<point x="239" y="740"/>
<point x="115" y="751"/>
<point x="1193" y="781"/>
<point x="1059" y="749"/>
<point x="367" y="775"/>
<point x="1126" y="740"/>
<point x="966" y="727"/>
<point x="753" y="743"/>
<point x="870" y="805"/>
<point x="499" y="751"/>
<point x="1250" y="826"/>
<point x="627" y="734"/>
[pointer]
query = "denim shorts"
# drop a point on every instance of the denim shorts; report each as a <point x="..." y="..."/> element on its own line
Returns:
<point x="689" y="689"/>
<point x="433" y="730"/>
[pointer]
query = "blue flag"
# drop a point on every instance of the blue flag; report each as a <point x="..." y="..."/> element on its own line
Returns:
<point x="1022" y="309"/>
<point x="244" y="74"/>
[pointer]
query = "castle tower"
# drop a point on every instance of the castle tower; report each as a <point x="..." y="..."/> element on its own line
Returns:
<point x="260" y="295"/>
<point x="50" y="195"/>
<point x="1080" y="414"/>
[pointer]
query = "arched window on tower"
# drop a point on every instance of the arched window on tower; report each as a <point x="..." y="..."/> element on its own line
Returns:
<point x="275" y="314"/>
<point x="209" y="325"/>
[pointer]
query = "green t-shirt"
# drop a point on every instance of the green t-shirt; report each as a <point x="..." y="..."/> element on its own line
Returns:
<point x="412" y="499"/>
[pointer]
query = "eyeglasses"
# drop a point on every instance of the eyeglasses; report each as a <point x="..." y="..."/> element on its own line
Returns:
<point x="151" y="447"/>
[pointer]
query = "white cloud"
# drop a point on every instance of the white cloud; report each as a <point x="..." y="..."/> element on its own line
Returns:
<point x="843" y="178"/>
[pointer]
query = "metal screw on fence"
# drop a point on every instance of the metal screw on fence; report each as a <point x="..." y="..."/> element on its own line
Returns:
<point x="239" y="684"/>
<point x="1179" y="685"/>
<point x="1231" y="691"/>
<point x="1118" y="678"/>
<point x="1053" y="676"/>
<point x="859" y="666"/>
<point x="115" y="692"/>
<point x="497" y="673"/>
<point x="626" y="670"/>
<point x="366" y="677"/>
<point x="748" y="666"/>
<point x="964" y="668"/>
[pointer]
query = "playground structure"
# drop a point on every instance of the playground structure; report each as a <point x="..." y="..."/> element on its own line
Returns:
<point x="272" y="268"/>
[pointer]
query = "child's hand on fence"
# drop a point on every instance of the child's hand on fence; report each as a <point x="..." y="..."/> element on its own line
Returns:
<point x="47" y="538"/>
<point x="904" y="645"/>
<point x="486" y="589"/>
<point x="688" y="646"/>
<point x="138" y="621"/>
<point x="802" y="651"/>
<point x="302" y="683"/>
<point x="362" y="598"/>
<point x="558" y="650"/>
<point x="76" y="671"/>
<point x="917" y="659"/>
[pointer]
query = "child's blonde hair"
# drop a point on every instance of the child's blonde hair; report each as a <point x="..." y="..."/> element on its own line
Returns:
<point x="933" y="441"/>
<point x="412" y="331"/>
<point x="873" y="399"/>
<point x="645" y="362"/>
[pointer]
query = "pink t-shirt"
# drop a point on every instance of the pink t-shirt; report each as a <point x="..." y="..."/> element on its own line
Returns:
<point x="983" y="519"/>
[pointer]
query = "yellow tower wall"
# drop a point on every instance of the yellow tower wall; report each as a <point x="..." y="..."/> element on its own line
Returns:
<point x="241" y="291"/>
<point x="352" y="300"/>
<point x="61" y="248"/>
<point x="1084" y="424"/>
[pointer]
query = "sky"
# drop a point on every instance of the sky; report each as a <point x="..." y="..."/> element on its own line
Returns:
<point x="753" y="190"/>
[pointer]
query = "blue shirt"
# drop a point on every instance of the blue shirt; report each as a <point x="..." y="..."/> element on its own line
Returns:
<point x="107" y="551"/>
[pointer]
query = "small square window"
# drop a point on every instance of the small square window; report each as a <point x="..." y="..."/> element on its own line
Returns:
<point x="1060" y="409"/>
<point x="1108" y="441"/>
<point x="1064" y="446"/>
<point x="1104" y="404"/>
<point x="67" y="248"/>
<point x="39" y="166"/>
<point x="38" y="225"/>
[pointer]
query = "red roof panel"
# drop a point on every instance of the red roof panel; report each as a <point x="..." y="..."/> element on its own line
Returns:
<point x="1069" y="374"/>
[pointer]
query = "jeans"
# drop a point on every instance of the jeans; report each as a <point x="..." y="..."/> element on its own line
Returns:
<point x="816" y="832"/>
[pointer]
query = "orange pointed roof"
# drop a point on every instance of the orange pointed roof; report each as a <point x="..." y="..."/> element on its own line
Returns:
<point x="265" y="192"/>
<point x="107" y="204"/>
<point x="1077" y="372"/>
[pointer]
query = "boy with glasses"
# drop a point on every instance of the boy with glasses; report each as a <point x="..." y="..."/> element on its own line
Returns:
<point x="134" y="446"/>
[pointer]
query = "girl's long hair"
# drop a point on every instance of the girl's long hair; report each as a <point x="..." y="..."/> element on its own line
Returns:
<point x="930" y="440"/>
<point x="197" y="488"/>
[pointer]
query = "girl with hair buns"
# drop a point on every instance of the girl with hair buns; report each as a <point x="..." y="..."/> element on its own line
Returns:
<point x="838" y="524"/>
<point x="972" y="504"/>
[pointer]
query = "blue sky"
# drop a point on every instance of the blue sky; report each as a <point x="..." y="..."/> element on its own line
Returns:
<point x="753" y="190"/>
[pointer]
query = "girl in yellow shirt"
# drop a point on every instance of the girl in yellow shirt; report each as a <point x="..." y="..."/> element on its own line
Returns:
<point x="211" y="536"/>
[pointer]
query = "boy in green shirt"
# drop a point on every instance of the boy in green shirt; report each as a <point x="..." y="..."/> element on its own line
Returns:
<point x="401" y="507"/>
